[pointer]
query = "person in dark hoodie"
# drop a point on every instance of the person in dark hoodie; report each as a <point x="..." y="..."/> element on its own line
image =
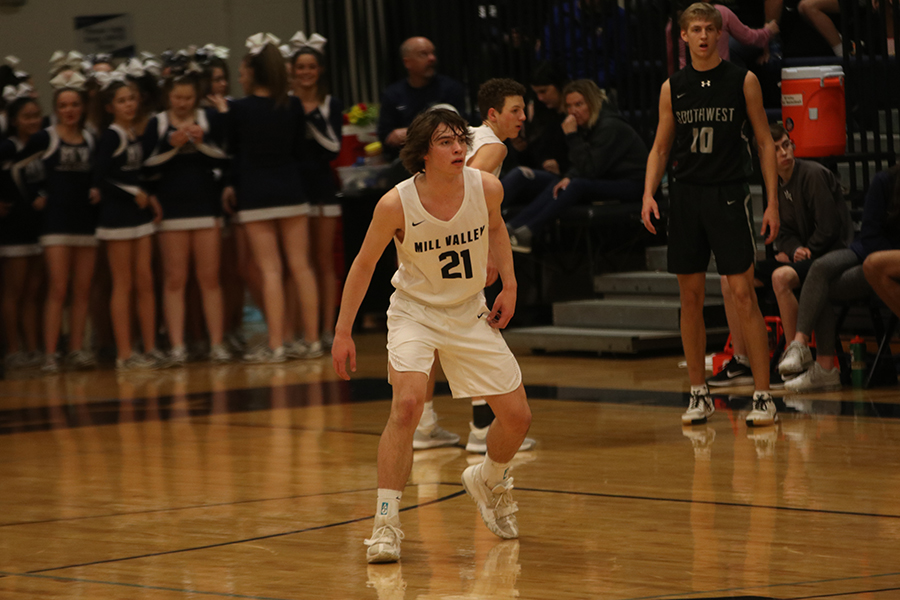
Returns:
<point x="607" y="159"/>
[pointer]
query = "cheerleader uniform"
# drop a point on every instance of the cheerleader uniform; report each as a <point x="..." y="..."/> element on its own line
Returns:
<point x="322" y="144"/>
<point x="183" y="179"/>
<point x="69" y="218"/>
<point x="266" y="142"/>
<point x="117" y="175"/>
<point x="21" y="227"/>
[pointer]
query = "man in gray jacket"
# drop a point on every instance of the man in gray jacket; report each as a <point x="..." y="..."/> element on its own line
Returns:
<point x="814" y="221"/>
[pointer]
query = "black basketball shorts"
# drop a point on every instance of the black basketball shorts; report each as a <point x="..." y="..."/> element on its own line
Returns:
<point x="704" y="219"/>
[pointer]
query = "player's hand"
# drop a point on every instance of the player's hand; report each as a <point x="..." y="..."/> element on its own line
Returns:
<point x="229" y="200"/>
<point x="39" y="203"/>
<point x="342" y="350"/>
<point x="569" y="125"/>
<point x="648" y="209"/>
<point x="551" y="166"/>
<point x="94" y="196"/>
<point x="802" y="253"/>
<point x="773" y="27"/>
<point x="563" y="184"/>
<point x="503" y="310"/>
<point x="156" y="207"/>
<point x="782" y="257"/>
<point x="772" y="222"/>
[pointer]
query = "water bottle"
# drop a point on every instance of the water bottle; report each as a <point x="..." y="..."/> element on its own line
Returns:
<point x="858" y="362"/>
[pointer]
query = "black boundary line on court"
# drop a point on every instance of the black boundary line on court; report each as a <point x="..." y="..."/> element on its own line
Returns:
<point x="688" y="501"/>
<point x="178" y="508"/>
<point x="235" y="542"/>
<point x="362" y="390"/>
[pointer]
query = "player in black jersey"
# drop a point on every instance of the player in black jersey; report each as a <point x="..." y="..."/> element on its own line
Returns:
<point x="704" y="109"/>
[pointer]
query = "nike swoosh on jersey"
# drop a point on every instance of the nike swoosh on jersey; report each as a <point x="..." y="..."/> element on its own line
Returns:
<point x="419" y="223"/>
<point x="680" y="95"/>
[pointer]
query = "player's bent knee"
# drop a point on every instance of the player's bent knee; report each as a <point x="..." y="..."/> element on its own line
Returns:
<point x="406" y="410"/>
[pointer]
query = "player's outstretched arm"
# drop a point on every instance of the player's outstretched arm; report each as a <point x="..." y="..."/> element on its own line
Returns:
<point x="387" y="221"/>
<point x="659" y="157"/>
<point x="756" y="112"/>
<point x="505" y="304"/>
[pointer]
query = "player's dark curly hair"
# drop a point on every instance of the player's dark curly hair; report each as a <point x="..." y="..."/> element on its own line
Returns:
<point x="494" y="92"/>
<point x="421" y="131"/>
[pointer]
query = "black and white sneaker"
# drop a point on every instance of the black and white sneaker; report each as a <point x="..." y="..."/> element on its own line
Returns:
<point x="733" y="373"/>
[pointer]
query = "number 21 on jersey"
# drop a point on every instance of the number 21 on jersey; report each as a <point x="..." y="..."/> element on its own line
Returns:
<point x="703" y="135"/>
<point x="452" y="261"/>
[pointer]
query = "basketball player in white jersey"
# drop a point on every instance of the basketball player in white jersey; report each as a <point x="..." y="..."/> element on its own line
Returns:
<point x="444" y="221"/>
<point x="502" y="106"/>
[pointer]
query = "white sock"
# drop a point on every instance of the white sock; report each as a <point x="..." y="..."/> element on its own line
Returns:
<point x="388" y="508"/>
<point x="426" y="423"/>
<point x="701" y="390"/>
<point x="838" y="49"/>
<point x="742" y="359"/>
<point x="493" y="472"/>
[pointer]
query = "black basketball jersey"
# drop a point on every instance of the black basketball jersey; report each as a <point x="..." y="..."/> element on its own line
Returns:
<point x="712" y="144"/>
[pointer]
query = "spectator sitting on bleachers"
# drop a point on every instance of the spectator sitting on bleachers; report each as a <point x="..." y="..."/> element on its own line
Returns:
<point x="423" y="88"/>
<point x="731" y="28"/>
<point x="839" y="277"/>
<point x="542" y="143"/>
<point x="882" y="266"/>
<point x="543" y="146"/>
<point x="814" y="221"/>
<point x="608" y="160"/>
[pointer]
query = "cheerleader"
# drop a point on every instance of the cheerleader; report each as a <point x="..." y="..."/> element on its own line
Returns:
<point x="127" y="221"/>
<point x="19" y="231"/>
<point x="324" y="120"/>
<point x="237" y="267"/>
<point x="69" y="218"/>
<point x="182" y="146"/>
<point x="267" y="129"/>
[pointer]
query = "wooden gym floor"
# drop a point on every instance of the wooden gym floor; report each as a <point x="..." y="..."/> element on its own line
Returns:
<point x="259" y="482"/>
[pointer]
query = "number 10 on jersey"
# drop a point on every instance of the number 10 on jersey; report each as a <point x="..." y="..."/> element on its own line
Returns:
<point x="704" y="135"/>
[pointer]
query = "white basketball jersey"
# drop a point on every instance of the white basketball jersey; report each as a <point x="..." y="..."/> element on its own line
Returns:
<point x="443" y="263"/>
<point x="482" y="136"/>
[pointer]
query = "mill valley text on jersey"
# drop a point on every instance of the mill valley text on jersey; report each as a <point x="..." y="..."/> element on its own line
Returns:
<point x="456" y="239"/>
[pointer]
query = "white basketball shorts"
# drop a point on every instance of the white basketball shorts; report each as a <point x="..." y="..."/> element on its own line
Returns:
<point x="474" y="355"/>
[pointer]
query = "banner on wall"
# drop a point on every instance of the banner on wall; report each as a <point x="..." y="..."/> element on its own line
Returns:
<point x="108" y="34"/>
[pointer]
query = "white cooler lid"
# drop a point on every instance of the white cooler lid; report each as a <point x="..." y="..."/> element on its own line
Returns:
<point x="812" y="72"/>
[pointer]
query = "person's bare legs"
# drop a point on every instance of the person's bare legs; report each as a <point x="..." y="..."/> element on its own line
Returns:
<point x="882" y="270"/>
<point x="323" y="231"/>
<point x="295" y="239"/>
<point x="734" y="325"/>
<point x="144" y="290"/>
<point x="753" y="326"/>
<point x="395" y="447"/>
<point x="175" y="248"/>
<point x="263" y="238"/>
<point x="784" y="281"/>
<point x="206" y="248"/>
<point x="119" y="253"/>
<point x="84" y="258"/>
<point x="58" y="260"/>
<point x="692" y="291"/>
<point x="817" y="13"/>
<point x="512" y="419"/>
<point x="15" y="274"/>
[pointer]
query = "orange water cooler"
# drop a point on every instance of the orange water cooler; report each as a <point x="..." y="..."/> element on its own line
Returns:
<point x="813" y="110"/>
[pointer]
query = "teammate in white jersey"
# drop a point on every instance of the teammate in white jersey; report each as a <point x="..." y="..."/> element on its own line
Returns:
<point x="502" y="106"/>
<point x="444" y="220"/>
